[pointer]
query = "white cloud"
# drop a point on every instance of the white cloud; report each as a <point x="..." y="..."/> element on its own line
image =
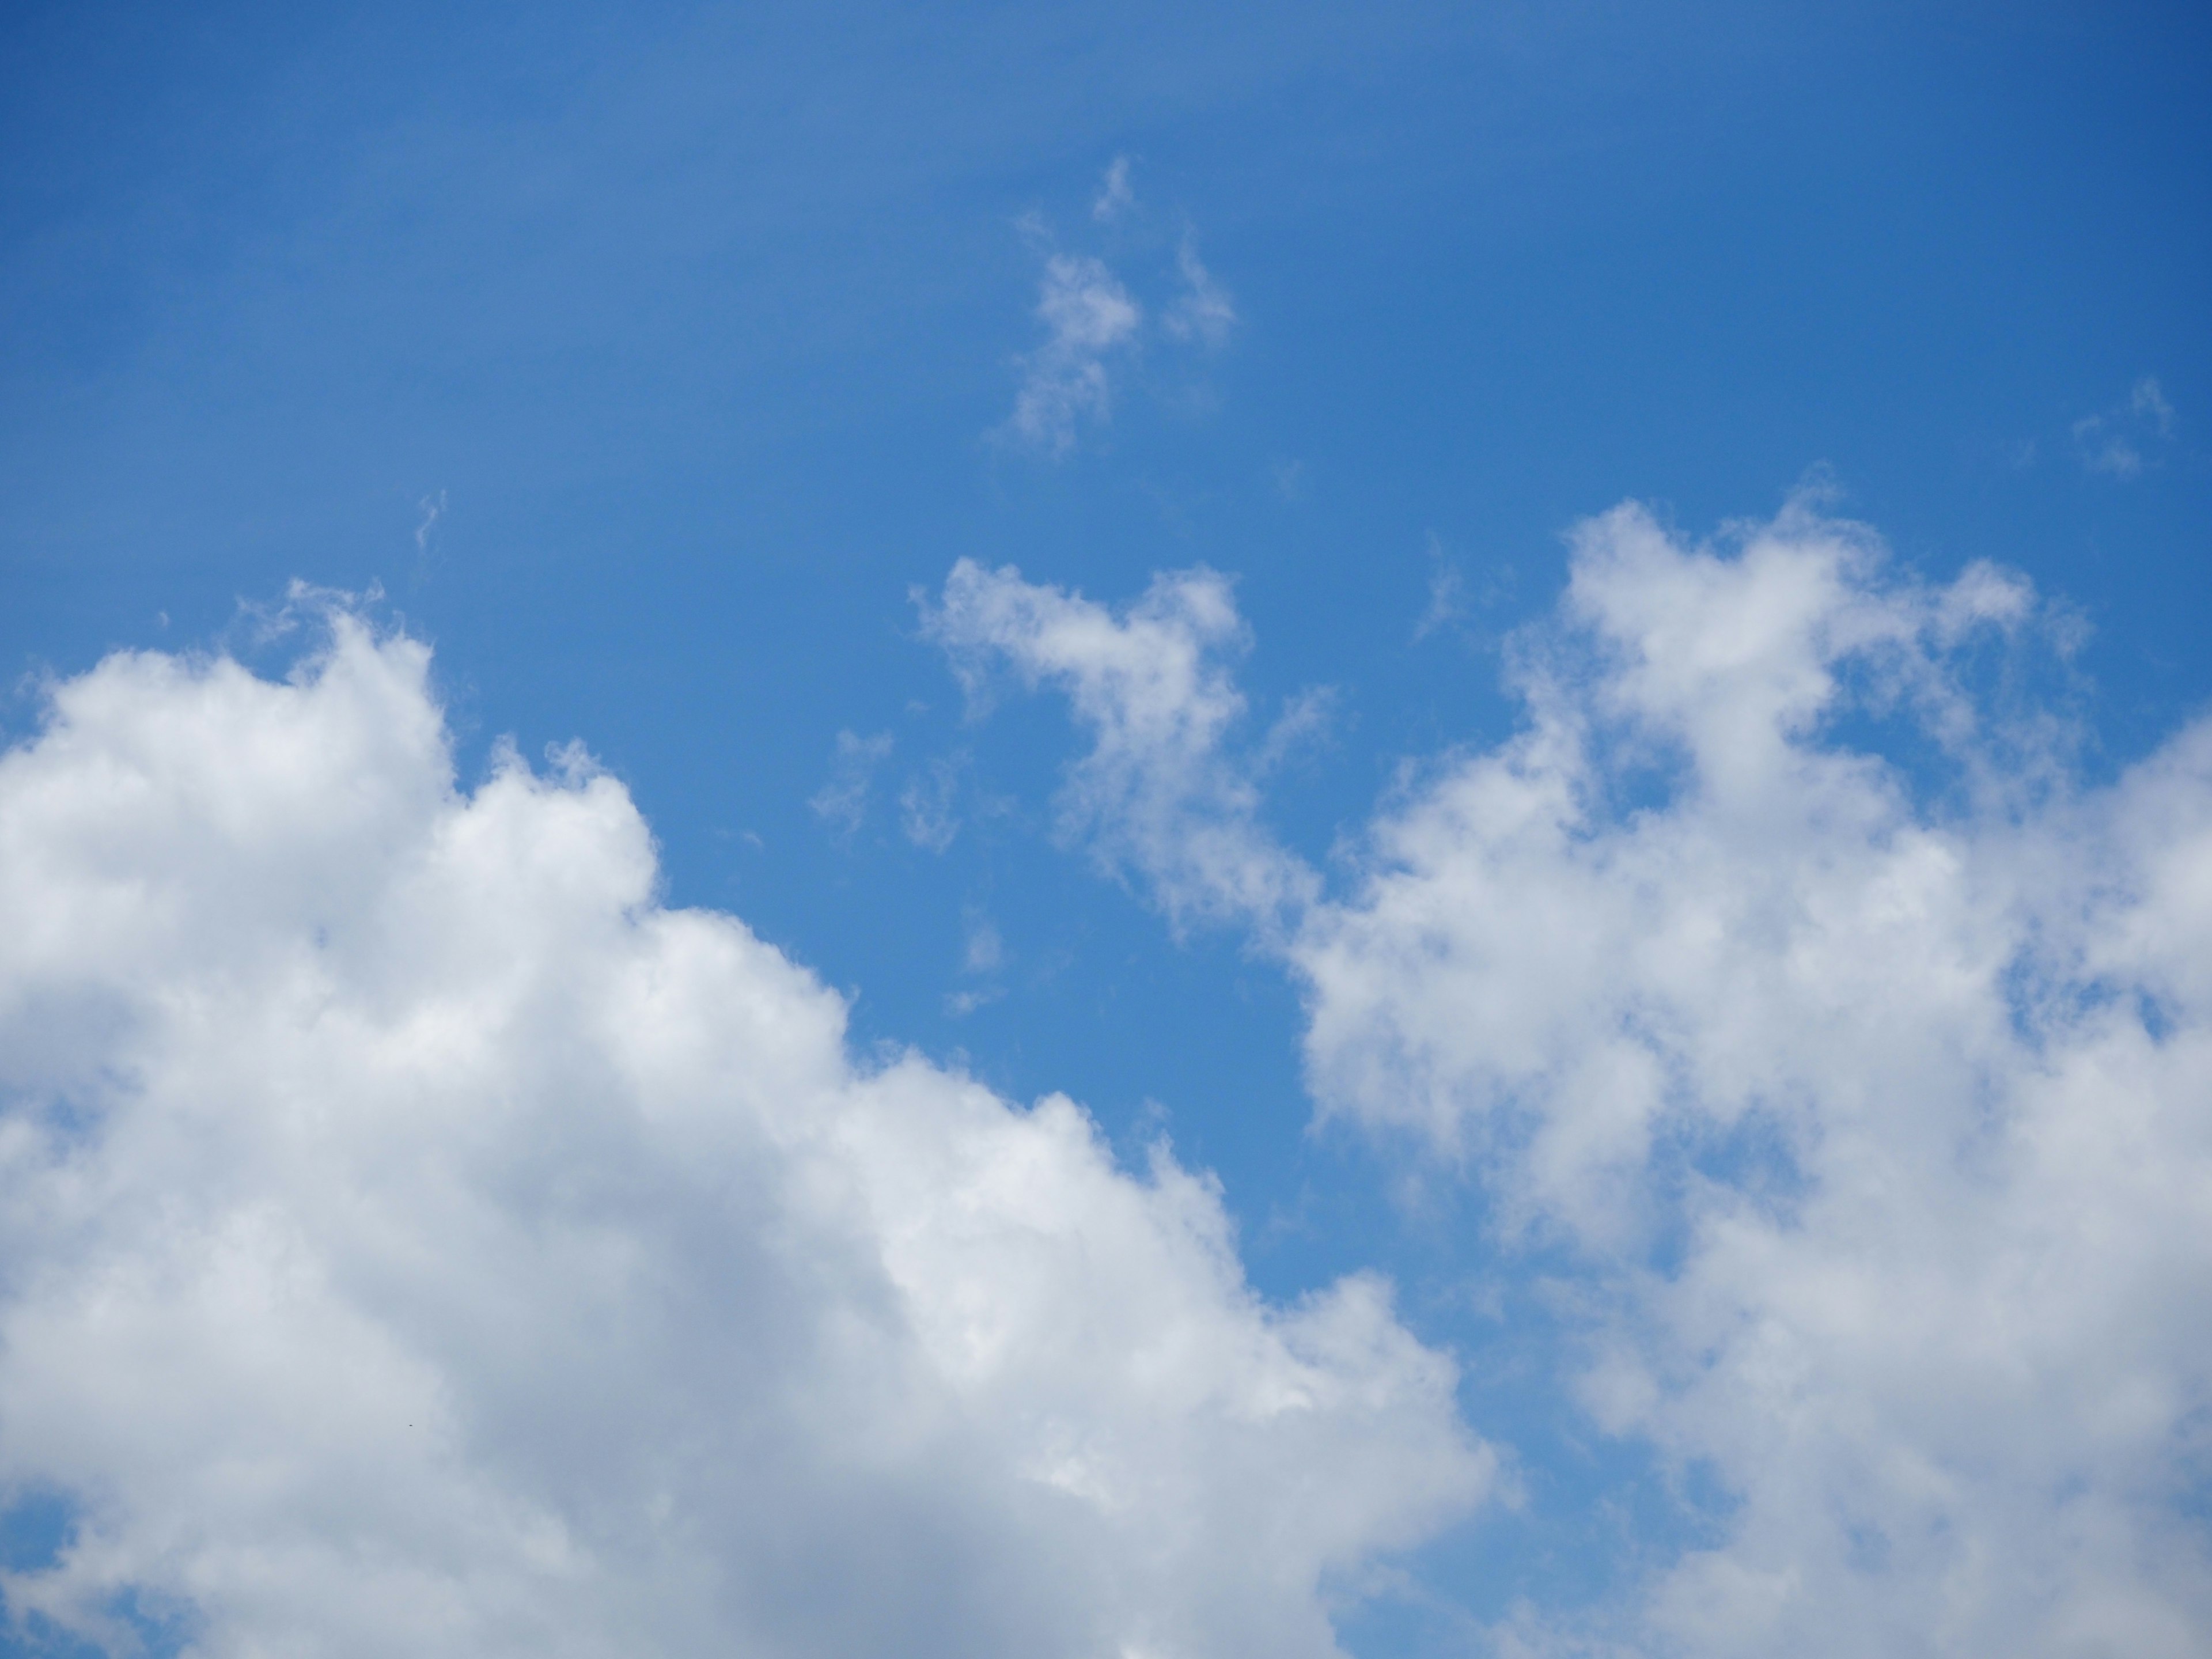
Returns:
<point x="1091" y="318"/>
<point x="1088" y="316"/>
<point x="418" y="1240"/>
<point x="1447" y="592"/>
<point x="2122" y="440"/>
<point x="1116" y="195"/>
<point x="985" y="951"/>
<point x="1872" y="1105"/>
<point x="2102" y="450"/>
<point x="1307" y="722"/>
<point x="1203" y="311"/>
<point x="926" y="811"/>
<point x="1158" y="795"/>
<point x="843" y="801"/>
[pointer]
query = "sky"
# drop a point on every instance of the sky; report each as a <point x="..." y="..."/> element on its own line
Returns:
<point x="832" y="830"/>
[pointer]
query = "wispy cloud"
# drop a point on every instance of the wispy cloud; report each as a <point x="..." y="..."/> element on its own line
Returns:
<point x="431" y="509"/>
<point x="985" y="951"/>
<point x="925" y="813"/>
<point x="1116" y="196"/>
<point x="1093" y="320"/>
<point x="1203" y="311"/>
<point x="843" y="801"/>
<point x="1307" y="720"/>
<point x="1161" y="795"/>
<point x="1088" y="316"/>
<point x="1447" y="592"/>
<point x="2124" y="440"/>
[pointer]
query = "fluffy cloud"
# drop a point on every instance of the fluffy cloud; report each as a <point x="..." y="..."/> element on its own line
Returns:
<point x="414" y="1238"/>
<point x="1871" y="1096"/>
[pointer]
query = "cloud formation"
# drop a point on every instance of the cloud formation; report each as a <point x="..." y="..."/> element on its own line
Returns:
<point x="925" y="805"/>
<point x="2122" y="440"/>
<point x="1160" y="795"/>
<point x="843" y="801"/>
<point x="1116" y="196"/>
<point x="1203" y="311"/>
<point x="1868" y="1093"/>
<point x="417" y="1239"/>
<point x="1091" y="319"/>
<point x="432" y="508"/>
<point x="1447" y="604"/>
<point x="1088" y="316"/>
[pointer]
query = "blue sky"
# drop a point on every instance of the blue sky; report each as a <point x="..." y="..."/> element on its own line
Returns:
<point x="656" y="370"/>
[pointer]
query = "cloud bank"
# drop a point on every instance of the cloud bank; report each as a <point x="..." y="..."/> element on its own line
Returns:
<point x="1781" y="972"/>
<point x="416" y="1238"/>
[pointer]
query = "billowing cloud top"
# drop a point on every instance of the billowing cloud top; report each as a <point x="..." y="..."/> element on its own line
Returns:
<point x="414" y="1238"/>
<point x="1873" y="1096"/>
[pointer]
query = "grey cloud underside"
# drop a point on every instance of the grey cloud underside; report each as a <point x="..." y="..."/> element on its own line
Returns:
<point x="417" y="1240"/>
<point x="1876" y="1105"/>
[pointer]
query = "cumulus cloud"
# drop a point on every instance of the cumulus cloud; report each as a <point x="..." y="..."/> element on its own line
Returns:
<point x="1088" y="316"/>
<point x="2121" y="442"/>
<point x="1867" y="1090"/>
<point x="414" y="1238"/>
